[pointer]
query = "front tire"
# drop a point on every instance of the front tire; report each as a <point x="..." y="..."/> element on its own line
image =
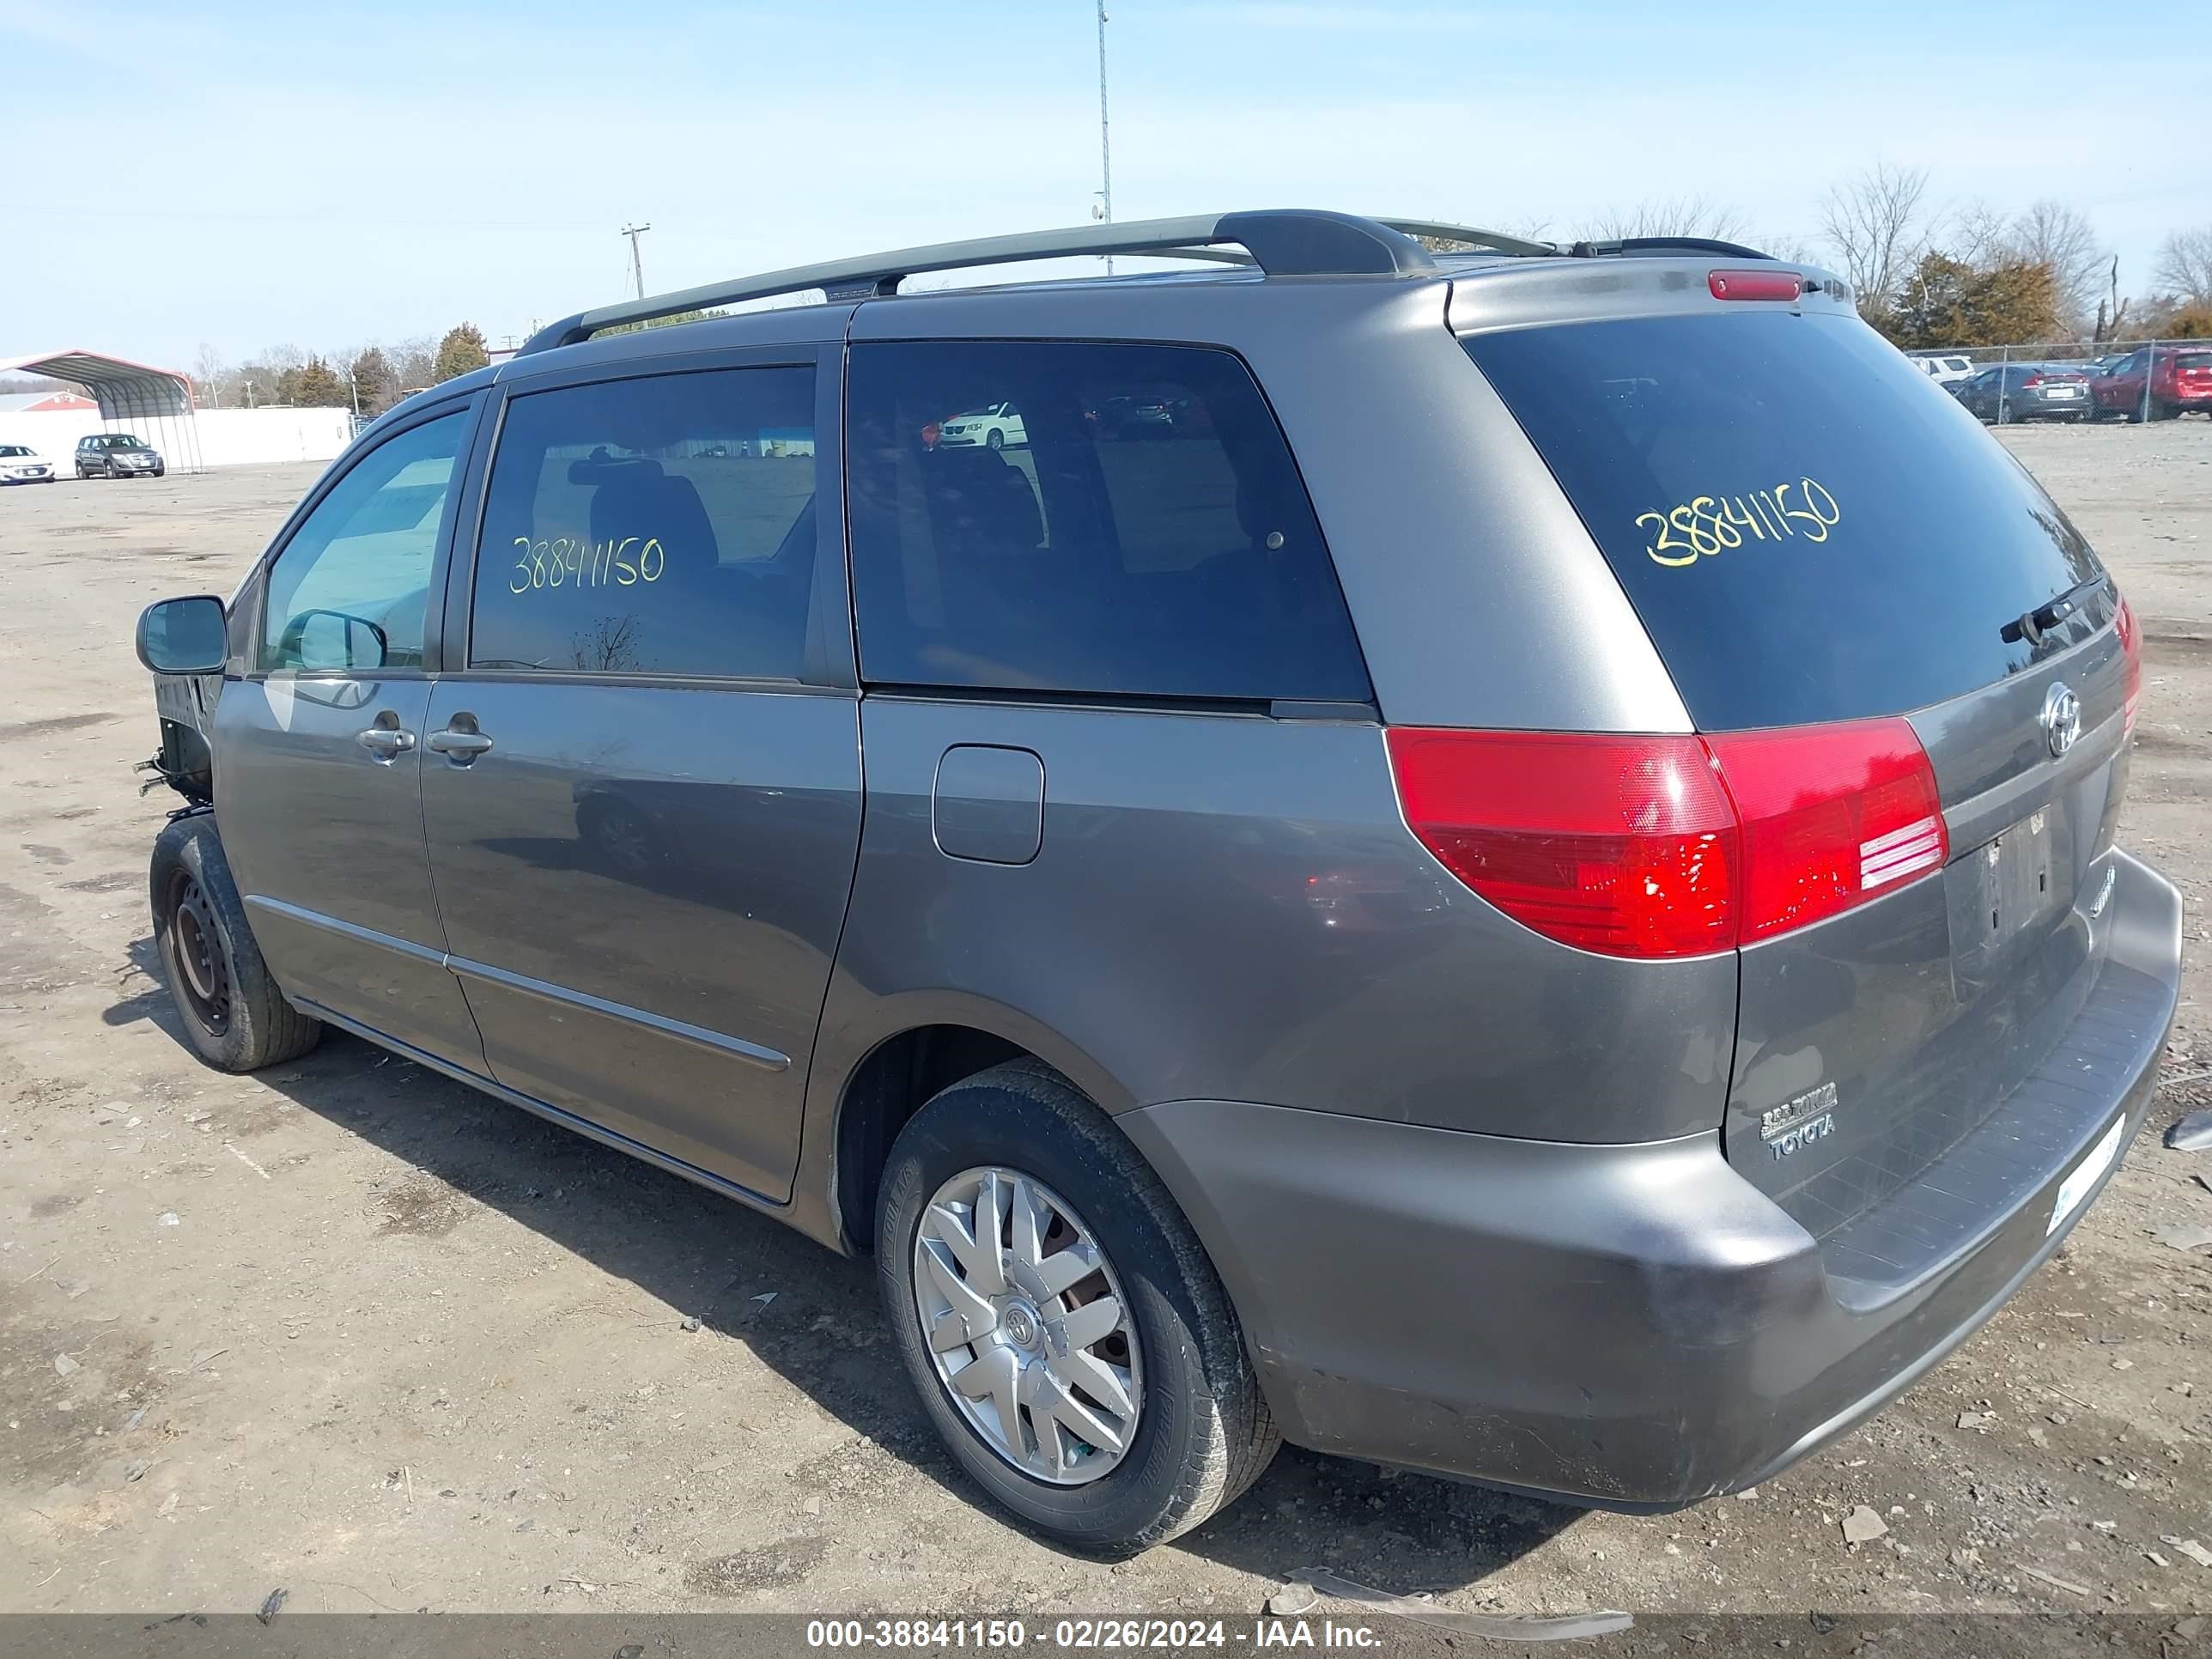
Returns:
<point x="1112" y="1431"/>
<point x="995" y="439"/>
<point x="234" y="1015"/>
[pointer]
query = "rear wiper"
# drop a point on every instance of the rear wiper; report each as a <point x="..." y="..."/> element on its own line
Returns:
<point x="2033" y="625"/>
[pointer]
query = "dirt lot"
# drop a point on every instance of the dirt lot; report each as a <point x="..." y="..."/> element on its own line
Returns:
<point x="351" y="1330"/>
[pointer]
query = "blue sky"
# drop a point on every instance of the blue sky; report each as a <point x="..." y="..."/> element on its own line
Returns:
<point x="331" y="174"/>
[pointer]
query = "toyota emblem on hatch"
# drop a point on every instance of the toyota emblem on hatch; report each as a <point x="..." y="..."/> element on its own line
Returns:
<point x="2061" y="717"/>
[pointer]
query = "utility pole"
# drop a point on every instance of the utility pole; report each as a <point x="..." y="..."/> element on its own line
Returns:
<point x="249" y="394"/>
<point x="636" y="265"/>
<point x="1105" y="150"/>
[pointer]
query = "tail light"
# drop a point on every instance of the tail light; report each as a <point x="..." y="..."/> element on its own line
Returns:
<point x="1657" y="847"/>
<point x="2033" y="379"/>
<point x="1832" y="816"/>
<point x="2131" y="656"/>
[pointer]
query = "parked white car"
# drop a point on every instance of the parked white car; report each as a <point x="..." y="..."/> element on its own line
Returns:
<point x="20" y="463"/>
<point x="1945" y="369"/>
<point x="993" y="426"/>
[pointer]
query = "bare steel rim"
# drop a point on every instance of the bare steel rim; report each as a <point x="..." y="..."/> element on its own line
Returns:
<point x="196" y="953"/>
<point x="1027" y="1326"/>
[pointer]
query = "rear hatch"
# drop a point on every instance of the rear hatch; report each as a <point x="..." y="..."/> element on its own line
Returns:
<point x="2192" y="374"/>
<point x="1893" y="643"/>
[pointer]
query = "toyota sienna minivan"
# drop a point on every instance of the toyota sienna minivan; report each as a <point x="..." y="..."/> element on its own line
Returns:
<point x="1526" y="890"/>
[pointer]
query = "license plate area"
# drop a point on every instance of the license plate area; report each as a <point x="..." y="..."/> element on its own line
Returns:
<point x="2004" y="896"/>
<point x="2084" y="1176"/>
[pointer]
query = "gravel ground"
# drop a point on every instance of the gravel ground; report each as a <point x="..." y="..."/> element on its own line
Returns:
<point x="351" y="1330"/>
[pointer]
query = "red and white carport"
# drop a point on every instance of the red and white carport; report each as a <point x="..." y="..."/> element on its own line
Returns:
<point x="156" y="404"/>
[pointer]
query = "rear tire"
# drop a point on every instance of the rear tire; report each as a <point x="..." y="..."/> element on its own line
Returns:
<point x="1202" y="1431"/>
<point x="234" y="1017"/>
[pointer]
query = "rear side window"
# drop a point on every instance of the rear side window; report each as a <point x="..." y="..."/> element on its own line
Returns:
<point x="1104" y="519"/>
<point x="1807" y="528"/>
<point x="663" y="524"/>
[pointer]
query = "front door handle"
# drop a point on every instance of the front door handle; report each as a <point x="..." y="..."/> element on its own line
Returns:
<point x="460" y="742"/>
<point x="387" y="739"/>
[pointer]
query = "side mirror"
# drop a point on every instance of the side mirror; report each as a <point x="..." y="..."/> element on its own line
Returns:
<point x="185" y="636"/>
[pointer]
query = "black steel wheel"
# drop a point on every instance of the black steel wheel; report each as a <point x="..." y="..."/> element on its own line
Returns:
<point x="231" y="1009"/>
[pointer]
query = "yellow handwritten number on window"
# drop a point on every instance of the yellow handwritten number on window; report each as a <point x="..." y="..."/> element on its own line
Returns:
<point x="567" y="562"/>
<point x="1705" y="525"/>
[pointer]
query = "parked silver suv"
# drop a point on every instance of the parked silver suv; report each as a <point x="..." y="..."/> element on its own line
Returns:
<point x="1500" y="862"/>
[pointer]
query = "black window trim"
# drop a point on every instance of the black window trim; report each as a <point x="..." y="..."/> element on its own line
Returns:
<point x="1146" y="700"/>
<point x="830" y="659"/>
<point x="256" y="585"/>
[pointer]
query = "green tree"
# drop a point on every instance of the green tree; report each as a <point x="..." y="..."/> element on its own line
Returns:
<point x="2192" y="322"/>
<point x="285" y="387"/>
<point x="372" y="378"/>
<point x="1947" y="302"/>
<point x="461" y="351"/>
<point x="319" y="386"/>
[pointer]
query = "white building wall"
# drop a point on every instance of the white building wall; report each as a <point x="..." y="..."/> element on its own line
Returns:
<point x="227" y="437"/>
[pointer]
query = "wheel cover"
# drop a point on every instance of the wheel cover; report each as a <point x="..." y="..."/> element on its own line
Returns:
<point x="1027" y="1326"/>
<point x="203" y="975"/>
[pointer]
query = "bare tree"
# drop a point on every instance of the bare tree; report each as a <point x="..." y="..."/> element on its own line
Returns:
<point x="411" y="361"/>
<point x="1682" y="215"/>
<point x="2185" y="264"/>
<point x="1789" y="247"/>
<point x="207" y="373"/>
<point x="1977" y="235"/>
<point x="2052" y="233"/>
<point x="1873" y="222"/>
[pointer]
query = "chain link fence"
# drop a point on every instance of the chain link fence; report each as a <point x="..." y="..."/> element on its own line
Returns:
<point x="2134" y="381"/>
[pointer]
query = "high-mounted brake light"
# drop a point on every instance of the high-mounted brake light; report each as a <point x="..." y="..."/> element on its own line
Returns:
<point x="1754" y="285"/>
<point x="1655" y="847"/>
<point x="2131" y="654"/>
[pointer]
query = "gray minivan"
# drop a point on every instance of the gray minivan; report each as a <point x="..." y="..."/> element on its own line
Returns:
<point x="1497" y="861"/>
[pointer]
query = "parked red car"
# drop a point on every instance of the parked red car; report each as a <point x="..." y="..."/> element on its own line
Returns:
<point x="2180" y="380"/>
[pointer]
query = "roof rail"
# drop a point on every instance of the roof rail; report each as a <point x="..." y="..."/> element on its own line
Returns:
<point x="1283" y="242"/>
<point x="1473" y="235"/>
<point x="1626" y="245"/>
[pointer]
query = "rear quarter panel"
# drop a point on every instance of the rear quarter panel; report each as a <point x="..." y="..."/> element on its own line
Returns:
<point x="1229" y="908"/>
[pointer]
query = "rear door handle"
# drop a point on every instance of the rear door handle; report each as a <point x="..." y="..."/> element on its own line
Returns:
<point x="459" y="744"/>
<point x="386" y="742"/>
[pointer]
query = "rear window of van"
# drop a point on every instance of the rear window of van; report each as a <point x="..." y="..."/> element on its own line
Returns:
<point x="1809" y="528"/>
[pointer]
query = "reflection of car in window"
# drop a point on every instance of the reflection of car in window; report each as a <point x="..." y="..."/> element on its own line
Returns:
<point x="994" y="427"/>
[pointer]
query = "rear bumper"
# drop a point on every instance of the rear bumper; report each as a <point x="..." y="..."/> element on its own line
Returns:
<point x="1633" y="1326"/>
